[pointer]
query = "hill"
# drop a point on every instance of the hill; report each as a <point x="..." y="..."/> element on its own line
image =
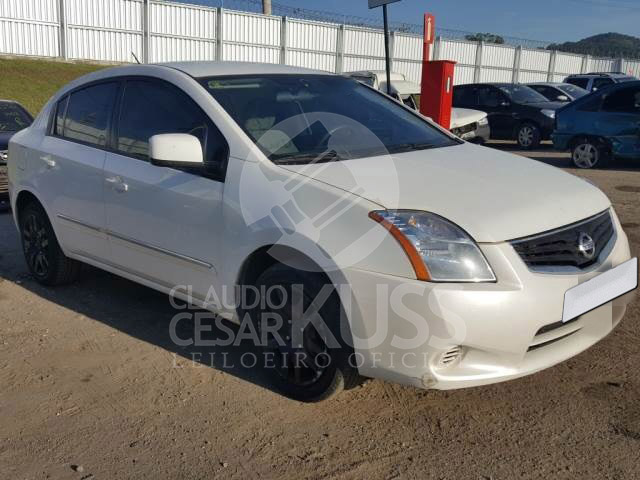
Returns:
<point x="605" y="45"/>
<point x="33" y="82"/>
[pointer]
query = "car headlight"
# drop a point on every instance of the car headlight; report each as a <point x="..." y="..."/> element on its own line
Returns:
<point x="438" y="250"/>
<point x="4" y="154"/>
<point x="483" y="121"/>
<point x="549" y="113"/>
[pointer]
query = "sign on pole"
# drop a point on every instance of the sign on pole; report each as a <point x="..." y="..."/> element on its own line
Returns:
<point x="379" y="3"/>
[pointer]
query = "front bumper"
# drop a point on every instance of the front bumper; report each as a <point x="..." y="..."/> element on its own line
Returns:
<point x="407" y="329"/>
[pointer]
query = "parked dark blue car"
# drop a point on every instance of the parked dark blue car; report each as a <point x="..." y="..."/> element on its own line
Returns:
<point x="601" y="126"/>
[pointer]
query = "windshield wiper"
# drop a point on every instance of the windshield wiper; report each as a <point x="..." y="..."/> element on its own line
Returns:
<point x="410" y="147"/>
<point x="323" y="157"/>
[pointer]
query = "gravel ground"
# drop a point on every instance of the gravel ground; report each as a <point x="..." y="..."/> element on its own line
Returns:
<point x="92" y="387"/>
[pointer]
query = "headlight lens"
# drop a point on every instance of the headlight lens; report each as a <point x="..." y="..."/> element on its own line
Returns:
<point x="446" y="253"/>
<point x="549" y="113"/>
<point x="483" y="121"/>
<point x="4" y="154"/>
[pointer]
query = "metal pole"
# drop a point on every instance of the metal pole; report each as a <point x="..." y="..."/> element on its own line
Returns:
<point x="386" y="47"/>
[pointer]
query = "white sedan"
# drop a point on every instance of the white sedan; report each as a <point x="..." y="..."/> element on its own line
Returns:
<point x="347" y="236"/>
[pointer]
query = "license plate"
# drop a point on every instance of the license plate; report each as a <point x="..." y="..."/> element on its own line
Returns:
<point x="600" y="290"/>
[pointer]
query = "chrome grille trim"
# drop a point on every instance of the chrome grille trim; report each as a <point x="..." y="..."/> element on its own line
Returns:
<point x="556" y="251"/>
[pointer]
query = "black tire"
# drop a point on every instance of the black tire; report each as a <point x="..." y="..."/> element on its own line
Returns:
<point x="42" y="252"/>
<point x="528" y="136"/>
<point x="336" y="372"/>
<point x="588" y="153"/>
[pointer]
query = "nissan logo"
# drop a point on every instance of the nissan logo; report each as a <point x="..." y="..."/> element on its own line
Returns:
<point x="586" y="246"/>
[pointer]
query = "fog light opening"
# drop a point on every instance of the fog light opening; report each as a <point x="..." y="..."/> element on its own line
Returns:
<point x="451" y="356"/>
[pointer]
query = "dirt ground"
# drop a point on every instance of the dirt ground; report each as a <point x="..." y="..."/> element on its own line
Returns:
<point x="93" y="388"/>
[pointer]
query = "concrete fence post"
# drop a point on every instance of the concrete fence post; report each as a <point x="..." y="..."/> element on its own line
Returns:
<point x="284" y="26"/>
<point x="392" y="48"/>
<point x="552" y="66"/>
<point x="517" y="63"/>
<point x="340" y="49"/>
<point x="63" y="30"/>
<point x="586" y="64"/>
<point x="220" y="34"/>
<point x="437" y="48"/>
<point x="146" y="37"/>
<point x="477" y="74"/>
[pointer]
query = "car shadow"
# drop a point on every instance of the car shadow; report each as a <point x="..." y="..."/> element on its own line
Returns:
<point x="140" y="312"/>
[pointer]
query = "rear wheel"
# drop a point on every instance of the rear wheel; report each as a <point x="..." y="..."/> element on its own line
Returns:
<point x="528" y="136"/>
<point x="588" y="153"/>
<point x="42" y="252"/>
<point x="308" y="359"/>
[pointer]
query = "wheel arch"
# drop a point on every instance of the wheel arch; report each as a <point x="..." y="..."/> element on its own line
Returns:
<point x="585" y="136"/>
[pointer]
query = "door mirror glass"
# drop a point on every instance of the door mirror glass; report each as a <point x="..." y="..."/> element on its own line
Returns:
<point x="563" y="98"/>
<point x="175" y="150"/>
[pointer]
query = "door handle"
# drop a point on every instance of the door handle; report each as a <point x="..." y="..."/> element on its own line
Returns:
<point x="118" y="184"/>
<point x="49" y="162"/>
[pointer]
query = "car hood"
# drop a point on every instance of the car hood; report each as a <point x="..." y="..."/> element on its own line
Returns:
<point x="464" y="116"/>
<point x="493" y="195"/>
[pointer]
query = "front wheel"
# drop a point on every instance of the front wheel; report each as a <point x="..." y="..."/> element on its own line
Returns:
<point x="528" y="136"/>
<point x="587" y="154"/>
<point x="44" y="257"/>
<point x="298" y="320"/>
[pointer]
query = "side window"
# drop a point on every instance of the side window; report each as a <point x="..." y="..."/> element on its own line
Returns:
<point x="579" y="82"/>
<point x="601" y="82"/>
<point x="490" y="97"/>
<point x="152" y="107"/>
<point x="61" y="110"/>
<point x="464" y="96"/>
<point x="626" y="100"/>
<point x="88" y="114"/>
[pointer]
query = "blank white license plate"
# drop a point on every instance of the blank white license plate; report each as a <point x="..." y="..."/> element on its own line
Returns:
<point x="600" y="290"/>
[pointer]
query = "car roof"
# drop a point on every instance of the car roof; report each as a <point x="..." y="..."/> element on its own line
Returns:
<point x="549" y="84"/>
<point x="600" y="74"/>
<point x="220" y="69"/>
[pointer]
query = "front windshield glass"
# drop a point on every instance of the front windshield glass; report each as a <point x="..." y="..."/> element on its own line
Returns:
<point x="310" y="118"/>
<point x="522" y="94"/>
<point x="575" y="92"/>
<point x="12" y="118"/>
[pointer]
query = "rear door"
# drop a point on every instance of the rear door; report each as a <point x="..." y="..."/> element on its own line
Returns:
<point x="69" y="168"/>
<point x="620" y="118"/>
<point x="164" y="224"/>
<point x="499" y="110"/>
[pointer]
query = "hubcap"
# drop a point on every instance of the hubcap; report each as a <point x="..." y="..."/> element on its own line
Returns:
<point x="585" y="156"/>
<point x="525" y="136"/>
<point x="36" y="246"/>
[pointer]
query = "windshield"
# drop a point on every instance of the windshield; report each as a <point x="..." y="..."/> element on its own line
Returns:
<point x="522" y="94"/>
<point x="575" y="92"/>
<point x="13" y="118"/>
<point x="310" y="118"/>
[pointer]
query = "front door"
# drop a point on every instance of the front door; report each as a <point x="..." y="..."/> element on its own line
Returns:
<point x="498" y="108"/>
<point x="164" y="225"/>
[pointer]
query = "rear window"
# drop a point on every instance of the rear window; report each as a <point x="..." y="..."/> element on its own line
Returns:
<point x="580" y="82"/>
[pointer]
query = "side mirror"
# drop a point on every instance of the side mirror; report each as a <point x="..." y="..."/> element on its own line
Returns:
<point x="505" y="104"/>
<point x="563" y="98"/>
<point x="175" y="150"/>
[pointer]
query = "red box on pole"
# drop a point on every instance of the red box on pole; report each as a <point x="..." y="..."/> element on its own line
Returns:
<point x="436" y="96"/>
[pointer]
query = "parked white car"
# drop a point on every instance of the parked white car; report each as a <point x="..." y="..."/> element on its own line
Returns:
<point x="374" y="243"/>
<point x="469" y="125"/>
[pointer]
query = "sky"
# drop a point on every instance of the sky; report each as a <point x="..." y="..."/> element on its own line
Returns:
<point x="546" y="20"/>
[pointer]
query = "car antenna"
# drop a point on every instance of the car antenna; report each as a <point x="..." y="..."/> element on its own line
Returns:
<point x="136" y="58"/>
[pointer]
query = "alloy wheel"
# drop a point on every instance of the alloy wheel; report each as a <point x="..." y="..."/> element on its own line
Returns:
<point x="36" y="245"/>
<point x="586" y="156"/>
<point x="525" y="136"/>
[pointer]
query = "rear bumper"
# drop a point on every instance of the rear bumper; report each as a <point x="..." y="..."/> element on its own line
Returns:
<point x="502" y="330"/>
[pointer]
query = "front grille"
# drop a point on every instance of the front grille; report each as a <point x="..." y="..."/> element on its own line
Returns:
<point x="465" y="129"/>
<point x="4" y="180"/>
<point x="560" y="250"/>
